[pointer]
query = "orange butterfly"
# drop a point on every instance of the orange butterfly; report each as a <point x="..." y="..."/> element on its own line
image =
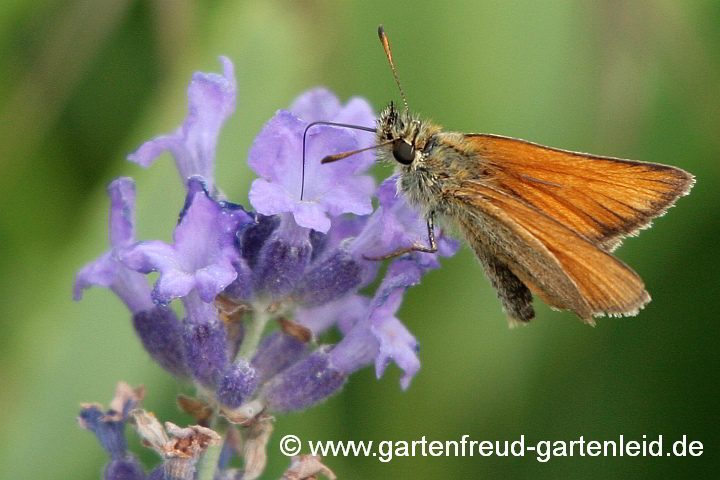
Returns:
<point x="539" y="219"/>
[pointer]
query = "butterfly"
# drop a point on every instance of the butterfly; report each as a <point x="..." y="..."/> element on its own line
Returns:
<point x="540" y="220"/>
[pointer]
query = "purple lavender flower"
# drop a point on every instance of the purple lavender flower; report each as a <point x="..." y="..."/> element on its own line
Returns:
<point x="330" y="190"/>
<point x="378" y="336"/>
<point x="301" y="261"/>
<point x="211" y="101"/>
<point x="106" y="271"/>
<point x="203" y="254"/>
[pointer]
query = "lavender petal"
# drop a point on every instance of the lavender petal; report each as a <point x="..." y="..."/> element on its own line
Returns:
<point x="211" y="100"/>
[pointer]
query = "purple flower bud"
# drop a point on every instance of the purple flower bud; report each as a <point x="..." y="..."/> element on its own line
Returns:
<point x="254" y="236"/>
<point x="283" y="259"/>
<point x="306" y="383"/>
<point x="330" y="279"/>
<point x="109" y="428"/>
<point x="158" y="473"/>
<point x="241" y="289"/>
<point x="318" y="241"/>
<point x="277" y="352"/>
<point x="162" y="336"/>
<point x="127" y="468"/>
<point x="237" y="384"/>
<point x="206" y="341"/>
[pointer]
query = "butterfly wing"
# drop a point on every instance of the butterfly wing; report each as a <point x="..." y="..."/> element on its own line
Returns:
<point x="601" y="198"/>
<point x="563" y="268"/>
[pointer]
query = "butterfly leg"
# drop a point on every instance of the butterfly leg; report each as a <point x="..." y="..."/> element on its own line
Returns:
<point x="415" y="247"/>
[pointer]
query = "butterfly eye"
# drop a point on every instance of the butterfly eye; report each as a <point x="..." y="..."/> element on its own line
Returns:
<point x="403" y="152"/>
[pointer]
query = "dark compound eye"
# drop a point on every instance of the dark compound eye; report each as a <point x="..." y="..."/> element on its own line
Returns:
<point x="403" y="152"/>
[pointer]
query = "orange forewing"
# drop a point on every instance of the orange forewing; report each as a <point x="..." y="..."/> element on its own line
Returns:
<point x="600" y="283"/>
<point x="603" y="199"/>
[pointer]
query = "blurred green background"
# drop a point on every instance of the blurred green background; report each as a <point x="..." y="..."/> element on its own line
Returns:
<point x="85" y="82"/>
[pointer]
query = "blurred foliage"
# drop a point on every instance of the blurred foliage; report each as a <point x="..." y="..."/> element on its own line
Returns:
<point x="84" y="82"/>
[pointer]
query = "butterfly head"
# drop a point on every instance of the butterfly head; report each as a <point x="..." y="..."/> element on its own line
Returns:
<point x="402" y="132"/>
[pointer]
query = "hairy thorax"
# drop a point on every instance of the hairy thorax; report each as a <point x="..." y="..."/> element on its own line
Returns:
<point x="439" y="166"/>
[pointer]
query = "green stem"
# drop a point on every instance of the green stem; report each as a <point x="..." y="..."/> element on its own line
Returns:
<point x="253" y="333"/>
<point x="208" y="464"/>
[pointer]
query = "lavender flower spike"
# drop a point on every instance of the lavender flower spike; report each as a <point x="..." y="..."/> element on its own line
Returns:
<point x="297" y="264"/>
<point x="211" y="100"/>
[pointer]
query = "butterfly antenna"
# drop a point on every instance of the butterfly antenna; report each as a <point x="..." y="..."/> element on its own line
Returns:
<point x="388" y="52"/>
